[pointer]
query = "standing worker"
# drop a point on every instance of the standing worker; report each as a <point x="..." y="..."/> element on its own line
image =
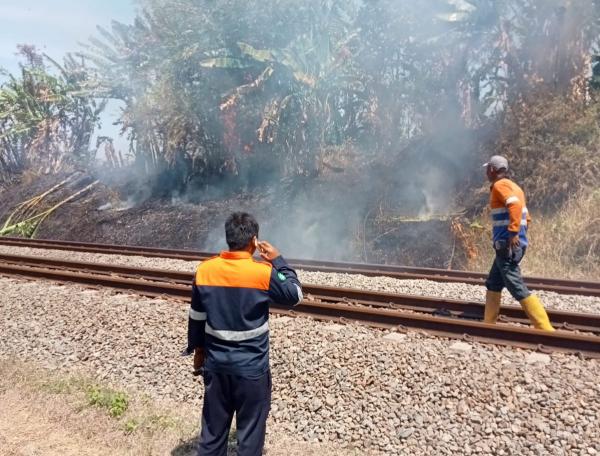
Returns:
<point x="509" y="220"/>
<point x="228" y="330"/>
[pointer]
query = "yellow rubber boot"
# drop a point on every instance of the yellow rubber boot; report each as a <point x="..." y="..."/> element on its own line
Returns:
<point x="492" y="306"/>
<point x="536" y="313"/>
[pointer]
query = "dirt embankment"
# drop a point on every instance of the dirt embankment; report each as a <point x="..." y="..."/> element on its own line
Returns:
<point x="109" y="215"/>
<point x="321" y="220"/>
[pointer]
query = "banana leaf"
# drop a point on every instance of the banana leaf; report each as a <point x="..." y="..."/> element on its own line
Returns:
<point x="260" y="55"/>
<point x="225" y="63"/>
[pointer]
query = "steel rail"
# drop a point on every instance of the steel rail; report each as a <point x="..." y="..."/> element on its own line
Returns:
<point x="423" y="304"/>
<point x="565" y="341"/>
<point x="563" y="286"/>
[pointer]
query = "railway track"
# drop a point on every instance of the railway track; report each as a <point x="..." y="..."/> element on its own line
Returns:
<point x="578" y="287"/>
<point x="444" y="317"/>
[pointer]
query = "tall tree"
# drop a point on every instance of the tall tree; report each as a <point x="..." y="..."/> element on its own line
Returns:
<point x="217" y="89"/>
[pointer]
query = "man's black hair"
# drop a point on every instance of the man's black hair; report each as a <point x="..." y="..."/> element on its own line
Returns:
<point x="240" y="228"/>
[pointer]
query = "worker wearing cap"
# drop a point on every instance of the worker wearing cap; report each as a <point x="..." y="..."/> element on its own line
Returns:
<point x="510" y="219"/>
<point x="228" y="331"/>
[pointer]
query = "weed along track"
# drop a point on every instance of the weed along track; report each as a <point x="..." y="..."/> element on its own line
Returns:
<point x="579" y="333"/>
<point x="578" y="287"/>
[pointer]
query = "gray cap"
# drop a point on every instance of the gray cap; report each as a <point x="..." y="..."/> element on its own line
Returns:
<point x="497" y="162"/>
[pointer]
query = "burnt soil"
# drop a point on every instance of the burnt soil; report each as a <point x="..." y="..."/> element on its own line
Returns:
<point x="153" y="222"/>
<point x="317" y="220"/>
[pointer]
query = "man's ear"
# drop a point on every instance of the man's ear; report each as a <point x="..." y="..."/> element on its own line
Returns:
<point x="255" y="241"/>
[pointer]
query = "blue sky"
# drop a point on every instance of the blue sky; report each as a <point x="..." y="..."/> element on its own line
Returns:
<point x="56" y="27"/>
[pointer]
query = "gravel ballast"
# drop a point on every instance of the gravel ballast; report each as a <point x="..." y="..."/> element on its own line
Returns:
<point x="569" y="303"/>
<point x="383" y="393"/>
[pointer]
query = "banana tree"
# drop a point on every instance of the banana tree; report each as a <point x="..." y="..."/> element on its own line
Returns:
<point x="46" y="123"/>
<point x="309" y="94"/>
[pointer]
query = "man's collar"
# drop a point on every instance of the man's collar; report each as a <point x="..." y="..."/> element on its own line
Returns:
<point x="237" y="255"/>
<point x="496" y="181"/>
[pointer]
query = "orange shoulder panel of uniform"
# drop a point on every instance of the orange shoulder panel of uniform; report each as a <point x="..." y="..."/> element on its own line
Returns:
<point x="207" y="259"/>
<point x="501" y="191"/>
<point x="202" y="263"/>
<point x="505" y="189"/>
<point x="245" y="273"/>
<point x="501" y="187"/>
<point x="266" y="263"/>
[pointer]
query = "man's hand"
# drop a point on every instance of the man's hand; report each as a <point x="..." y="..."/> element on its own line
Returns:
<point x="267" y="251"/>
<point x="513" y="242"/>
<point x="198" y="360"/>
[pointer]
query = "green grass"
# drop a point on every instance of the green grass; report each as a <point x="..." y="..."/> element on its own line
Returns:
<point x="131" y="425"/>
<point x="115" y="402"/>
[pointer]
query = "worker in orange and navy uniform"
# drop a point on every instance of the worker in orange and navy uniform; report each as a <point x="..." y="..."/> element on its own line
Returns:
<point x="228" y="331"/>
<point x="510" y="220"/>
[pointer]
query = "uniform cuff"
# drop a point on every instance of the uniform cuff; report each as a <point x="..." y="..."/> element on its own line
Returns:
<point x="279" y="262"/>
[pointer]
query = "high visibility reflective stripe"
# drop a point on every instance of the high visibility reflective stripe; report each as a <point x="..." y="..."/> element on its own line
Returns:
<point x="300" y="296"/>
<point x="497" y="223"/>
<point x="236" y="336"/>
<point x="511" y="199"/>
<point x="195" y="315"/>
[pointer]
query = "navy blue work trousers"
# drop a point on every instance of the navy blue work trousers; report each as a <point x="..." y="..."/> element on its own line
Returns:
<point x="505" y="272"/>
<point x="250" y="399"/>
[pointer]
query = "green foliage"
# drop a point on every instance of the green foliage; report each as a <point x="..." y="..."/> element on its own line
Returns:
<point x="210" y="92"/>
<point x="115" y="402"/>
<point x="46" y="120"/>
<point x="131" y="425"/>
<point x="118" y="404"/>
<point x="216" y="89"/>
<point x="239" y="90"/>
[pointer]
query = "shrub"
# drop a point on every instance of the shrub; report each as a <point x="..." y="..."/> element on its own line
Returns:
<point x="115" y="402"/>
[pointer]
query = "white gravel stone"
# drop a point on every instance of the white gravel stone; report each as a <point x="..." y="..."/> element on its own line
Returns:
<point x="350" y="387"/>
<point x="333" y="327"/>
<point x="537" y="358"/>
<point x="395" y="337"/>
<point x="461" y="347"/>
